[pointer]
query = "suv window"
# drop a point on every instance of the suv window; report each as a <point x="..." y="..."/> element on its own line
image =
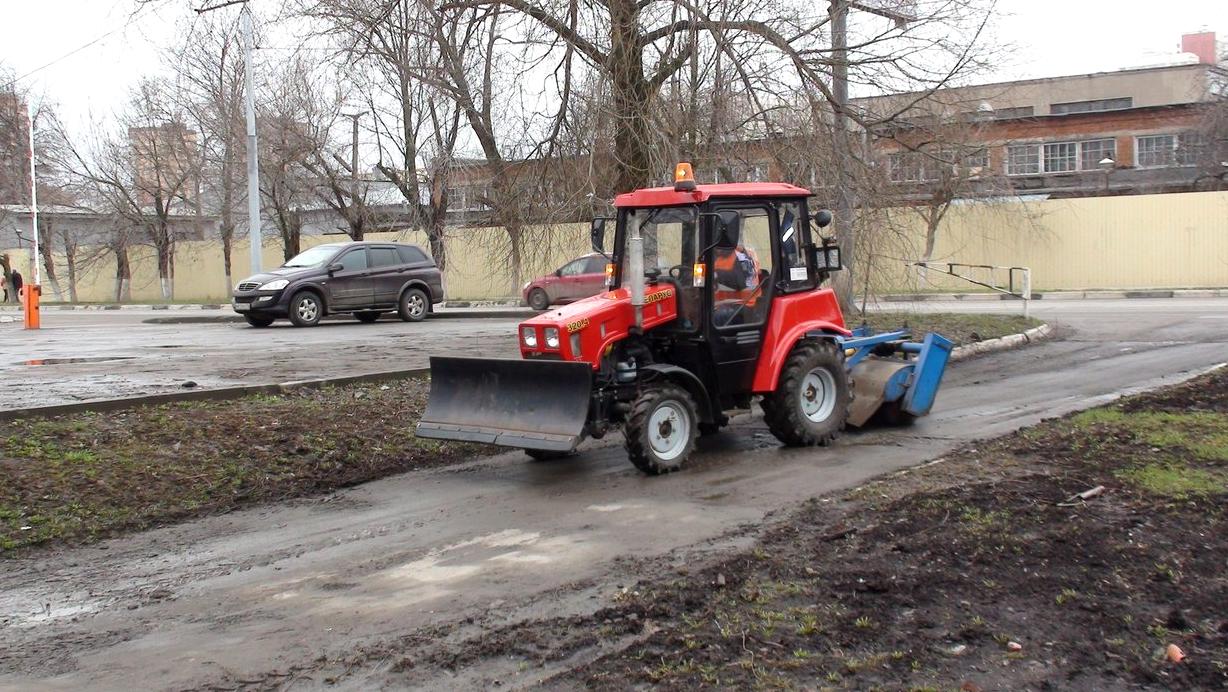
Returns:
<point x="384" y="257"/>
<point x="354" y="259"/>
<point x="411" y="254"/>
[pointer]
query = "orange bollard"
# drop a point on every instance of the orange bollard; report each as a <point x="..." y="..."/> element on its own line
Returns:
<point x="29" y="300"/>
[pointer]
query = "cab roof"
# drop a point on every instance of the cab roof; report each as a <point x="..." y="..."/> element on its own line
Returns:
<point x="668" y="196"/>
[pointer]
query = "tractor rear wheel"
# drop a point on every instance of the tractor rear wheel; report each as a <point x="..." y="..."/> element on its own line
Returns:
<point x="661" y="430"/>
<point x="811" y="401"/>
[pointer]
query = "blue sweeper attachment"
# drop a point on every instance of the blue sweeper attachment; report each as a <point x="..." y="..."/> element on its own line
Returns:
<point x="896" y="378"/>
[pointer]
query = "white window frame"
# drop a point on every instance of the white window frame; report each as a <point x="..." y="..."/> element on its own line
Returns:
<point x="1041" y="147"/>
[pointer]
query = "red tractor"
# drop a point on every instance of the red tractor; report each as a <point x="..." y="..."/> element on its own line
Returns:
<point x="715" y="297"/>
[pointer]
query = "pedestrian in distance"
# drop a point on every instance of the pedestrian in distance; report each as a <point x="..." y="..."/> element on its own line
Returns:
<point x="16" y="282"/>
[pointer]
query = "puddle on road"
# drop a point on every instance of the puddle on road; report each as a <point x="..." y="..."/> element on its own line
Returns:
<point x="66" y="361"/>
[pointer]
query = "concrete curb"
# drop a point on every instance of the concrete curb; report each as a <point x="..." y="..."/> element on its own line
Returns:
<point x="453" y="314"/>
<point x="960" y="353"/>
<point x="1004" y="343"/>
<point x="1057" y="295"/>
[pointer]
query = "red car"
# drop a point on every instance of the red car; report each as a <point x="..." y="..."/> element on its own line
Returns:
<point x="579" y="278"/>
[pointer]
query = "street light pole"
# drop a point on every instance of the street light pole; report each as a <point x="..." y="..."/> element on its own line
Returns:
<point x="254" y="233"/>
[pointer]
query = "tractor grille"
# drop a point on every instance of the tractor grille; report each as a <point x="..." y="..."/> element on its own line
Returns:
<point x="249" y="285"/>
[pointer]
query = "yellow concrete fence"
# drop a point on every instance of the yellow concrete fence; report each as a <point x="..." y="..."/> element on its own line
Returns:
<point x="1144" y="241"/>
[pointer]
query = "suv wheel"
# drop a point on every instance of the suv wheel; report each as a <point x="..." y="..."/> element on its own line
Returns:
<point x="306" y="309"/>
<point x="414" y="305"/>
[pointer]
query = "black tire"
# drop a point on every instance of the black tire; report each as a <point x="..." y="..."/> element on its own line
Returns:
<point x="679" y="428"/>
<point x="547" y="454"/>
<point x="306" y="309"/>
<point x="414" y="305"/>
<point x="538" y="300"/>
<point x="258" y="321"/>
<point x="367" y="317"/>
<point x="805" y="411"/>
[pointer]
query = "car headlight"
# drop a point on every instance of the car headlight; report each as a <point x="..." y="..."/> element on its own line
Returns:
<point x="552" y="337"/>
<point x="275" y="285"/>
<point x="529" y="336"/>
<point x="525" y="287"/>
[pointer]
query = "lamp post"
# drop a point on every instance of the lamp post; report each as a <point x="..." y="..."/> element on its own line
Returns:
<point x="1106" y="164"/>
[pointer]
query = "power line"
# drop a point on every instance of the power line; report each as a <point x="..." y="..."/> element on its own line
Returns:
<point x="80" y="48"/>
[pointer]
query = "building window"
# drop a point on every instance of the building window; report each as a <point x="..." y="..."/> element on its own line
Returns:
<point x="1061" y="157"/>
<point x="1183" y="149"/>
<point x="1015" y="112"/>
<point x="908" y="167"/>
<point x="1095" y="151"/>
<point x="1091" y="106"/>
<point x="977" y="161"/>
<point x="1023" y="159"/>
<point x="1058" y="157"/>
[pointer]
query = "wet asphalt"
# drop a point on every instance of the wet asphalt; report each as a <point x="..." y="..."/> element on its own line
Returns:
<point x="262" y="594"/>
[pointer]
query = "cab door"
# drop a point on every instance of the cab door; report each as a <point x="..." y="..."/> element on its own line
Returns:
<point x="741" y="284"/>
<point x="350" y="285"/>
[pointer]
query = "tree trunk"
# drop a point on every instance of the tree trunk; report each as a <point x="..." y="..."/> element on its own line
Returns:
<point x="515" y="236"/>
<point x="70" y="260"/>
<point x="123" y="275"/>
<point x="45" y="249"/>
<point x="434" y="237"/>
<point x="164" y="270"/>
<point x="631" y="93"/>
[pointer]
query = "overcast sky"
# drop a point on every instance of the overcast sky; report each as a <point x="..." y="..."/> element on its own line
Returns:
<point x="1052" y="37"/>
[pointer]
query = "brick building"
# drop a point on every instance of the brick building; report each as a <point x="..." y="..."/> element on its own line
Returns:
<point x="14" y="149"/>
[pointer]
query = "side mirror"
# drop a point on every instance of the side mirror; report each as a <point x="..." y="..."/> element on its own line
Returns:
<point x="596" y="235"/>
<point x="335" y="267"/>
<point x="728" y="229"/>
<point x="822" y="218"/>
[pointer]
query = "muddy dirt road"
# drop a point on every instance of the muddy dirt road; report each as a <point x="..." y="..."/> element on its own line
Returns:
<point x="322" y="593"/>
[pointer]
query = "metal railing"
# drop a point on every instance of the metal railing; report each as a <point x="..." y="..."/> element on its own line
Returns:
<point x="953" y="269"/>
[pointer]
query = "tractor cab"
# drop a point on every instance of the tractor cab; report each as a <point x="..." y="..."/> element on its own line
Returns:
<point x="715" y="297"/>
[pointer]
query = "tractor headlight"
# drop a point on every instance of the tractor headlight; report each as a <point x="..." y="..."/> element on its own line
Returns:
<point x="552" y="337"/>
<point x="275" y="285"/>
<point x="833" y="258"/>
<point x="529" y="336"/>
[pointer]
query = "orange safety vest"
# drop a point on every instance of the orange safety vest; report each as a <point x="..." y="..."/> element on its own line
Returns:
<point x="726" y="262"/>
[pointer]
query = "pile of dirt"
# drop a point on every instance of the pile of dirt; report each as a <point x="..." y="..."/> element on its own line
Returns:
<point x="984" y="571"/>
<point x="84" y="476"/>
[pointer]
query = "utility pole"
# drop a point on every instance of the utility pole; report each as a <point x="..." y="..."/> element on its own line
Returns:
<point x="254" y="233"/>
<point x="353" y="155"/>
<point x="846" y="228"/>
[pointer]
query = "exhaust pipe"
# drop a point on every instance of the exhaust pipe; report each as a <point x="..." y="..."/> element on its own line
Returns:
<point x="635" y="265"/>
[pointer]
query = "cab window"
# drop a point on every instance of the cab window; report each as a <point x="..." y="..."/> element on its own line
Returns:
<point x="742" y="274"/>
<point x="354" y="260"/>
<point x="793" y="274"/>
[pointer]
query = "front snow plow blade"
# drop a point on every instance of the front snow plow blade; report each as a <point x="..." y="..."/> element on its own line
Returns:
<point x="530" y="404"/>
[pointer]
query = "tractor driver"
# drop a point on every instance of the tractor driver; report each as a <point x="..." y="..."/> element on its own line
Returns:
<point x="736" y="271"/>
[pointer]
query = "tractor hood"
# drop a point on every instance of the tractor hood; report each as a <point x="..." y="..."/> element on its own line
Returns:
<point x="584" y="329"/>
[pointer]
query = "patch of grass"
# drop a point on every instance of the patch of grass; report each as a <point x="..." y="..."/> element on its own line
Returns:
<point x="959" y="327"/>
<point x="86" y="476"/>
<point x="1174" y="481"/>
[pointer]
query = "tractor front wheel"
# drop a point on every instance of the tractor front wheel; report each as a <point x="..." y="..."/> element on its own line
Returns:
<point x="811" y="401"/>
<point x="661" y="430"/>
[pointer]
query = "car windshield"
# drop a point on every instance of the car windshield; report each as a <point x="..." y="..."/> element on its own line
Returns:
<point x="312" y="258"/>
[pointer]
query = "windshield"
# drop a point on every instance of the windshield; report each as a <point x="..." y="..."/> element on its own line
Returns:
<point x="312" y="258"/>
<point x="671" y="245"/>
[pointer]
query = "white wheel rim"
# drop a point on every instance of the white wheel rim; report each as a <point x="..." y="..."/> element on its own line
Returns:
<point x="416" y="305"/>
<point x="669" y="430"/>
<point x="818" y="395"/>
<point x="307" y="309"/>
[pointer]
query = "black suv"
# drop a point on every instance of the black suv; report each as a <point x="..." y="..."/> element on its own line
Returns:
<point x="365" y="278"/>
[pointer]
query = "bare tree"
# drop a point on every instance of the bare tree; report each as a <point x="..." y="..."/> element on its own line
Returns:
<point x="209" y="62"/>
<point x="147" y="175"/>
